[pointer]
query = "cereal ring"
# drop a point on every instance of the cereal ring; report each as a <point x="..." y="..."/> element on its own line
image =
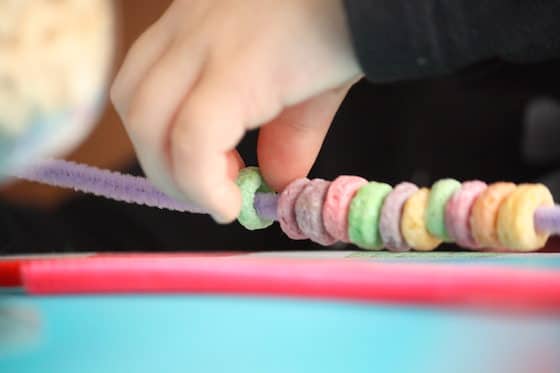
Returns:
<point x="458" y="211"/>
<point x="516" y="228"/>
<point x="309" y="212"/>
<point x="484" y="214"/>
<point x="391" y="212"/>
<point x="364" y="214"/>
<point x="337" y="204"/>
<point x="251" y="182"/>
<point x="440" y="193"/>
<point x="286" y="209"/>
<point x="413" y="226"/>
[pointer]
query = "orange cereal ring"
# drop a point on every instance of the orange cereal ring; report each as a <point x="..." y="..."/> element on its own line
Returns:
<point x="516" y="228"/>
<point x="484" y="214"/>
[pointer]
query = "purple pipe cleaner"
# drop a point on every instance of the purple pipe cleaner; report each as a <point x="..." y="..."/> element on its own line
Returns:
<point x="134" y="189"/>
<point x="103" y="183"/>
<point x="547" y="219"/>
<point x="266" y="205"/>
<point x="112" y="185"/>
<point x="119" y="187"/>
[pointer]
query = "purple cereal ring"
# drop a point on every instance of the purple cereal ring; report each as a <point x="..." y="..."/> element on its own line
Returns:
<point x="337" y="203"/>
<point x="309" y="212"/>
<point x="458" y="212"/>
<point x="391" y="212"/>
<point x="286" y="209"/>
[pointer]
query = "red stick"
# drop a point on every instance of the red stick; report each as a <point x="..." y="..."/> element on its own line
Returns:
<point x="9" y="273"/>
<point x="452" y="285"/>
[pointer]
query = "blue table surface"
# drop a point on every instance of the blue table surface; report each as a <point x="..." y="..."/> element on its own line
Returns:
<point x="467" y="258"/>
<point x="220" y="334"/>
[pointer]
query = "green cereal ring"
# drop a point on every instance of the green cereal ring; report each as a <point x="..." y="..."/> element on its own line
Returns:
<point x="250" y="182"/>
<point x="440" y="193"/>
<point x="364" y="214"/>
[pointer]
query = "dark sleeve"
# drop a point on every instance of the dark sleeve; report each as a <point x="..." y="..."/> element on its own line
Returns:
<point x="414" y="39"/>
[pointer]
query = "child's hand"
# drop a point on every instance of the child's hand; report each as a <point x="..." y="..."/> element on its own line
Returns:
<point x="209" y="70"/>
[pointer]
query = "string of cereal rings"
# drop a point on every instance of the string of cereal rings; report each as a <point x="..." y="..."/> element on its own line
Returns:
<point x="373" y="215"/>
<point x="370" y="215"/>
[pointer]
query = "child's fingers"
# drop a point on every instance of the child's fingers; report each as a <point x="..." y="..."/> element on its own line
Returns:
<point x="206" y="131"/>
<point x="164" y="87"/>
<point x="288" y="145"/>
<point x="145" y="51"/>
<point x="235" y="163"/>
<point x="155" y="103"/>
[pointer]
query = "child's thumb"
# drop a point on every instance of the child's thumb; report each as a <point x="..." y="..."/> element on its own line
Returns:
<point x="289" y="144"/>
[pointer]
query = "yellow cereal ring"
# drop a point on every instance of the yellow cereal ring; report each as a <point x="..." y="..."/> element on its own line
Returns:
<point x="413" y="222"/>
<point x="484" y="214"/>
<point x="516" y="229"/>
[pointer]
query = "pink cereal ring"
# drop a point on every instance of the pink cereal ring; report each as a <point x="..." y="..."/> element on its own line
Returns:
<point x="337" y="203"/>
<point x="391" y="212"/>
<point x="286" y="209"/>
<point x="458" y="212"/>
<point x="309" y="212"/>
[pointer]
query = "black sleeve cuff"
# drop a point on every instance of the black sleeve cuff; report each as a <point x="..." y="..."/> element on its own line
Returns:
<point x="404" y="40"/>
